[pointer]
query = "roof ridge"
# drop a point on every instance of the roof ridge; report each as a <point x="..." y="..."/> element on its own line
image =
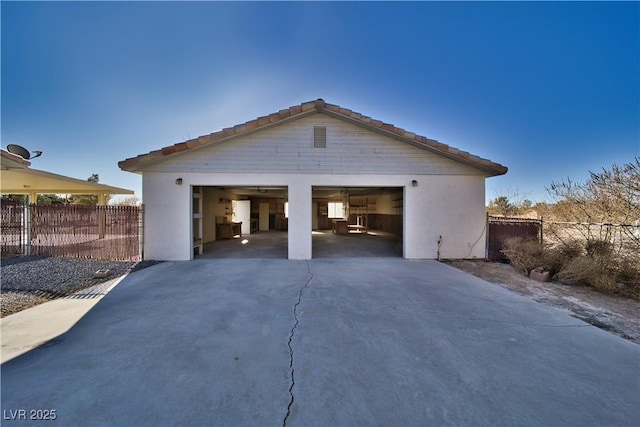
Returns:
<point x="317" y="105"/>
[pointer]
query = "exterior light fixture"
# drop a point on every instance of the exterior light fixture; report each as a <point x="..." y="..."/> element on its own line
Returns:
<point x="179" y="181"/>
<point x="414" y="183"/>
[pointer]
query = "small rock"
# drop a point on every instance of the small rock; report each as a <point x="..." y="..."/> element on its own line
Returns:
<point x="540" y="275"/>
<point x="101" y="274"/>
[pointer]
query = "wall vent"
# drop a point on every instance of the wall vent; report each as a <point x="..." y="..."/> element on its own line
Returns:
<point x="319" y="136"/>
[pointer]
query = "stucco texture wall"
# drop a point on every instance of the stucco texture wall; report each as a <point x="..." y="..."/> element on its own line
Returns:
<point x="167" y="218"/>
<point x="449" y="209"/>
<point x="451" y="206"/>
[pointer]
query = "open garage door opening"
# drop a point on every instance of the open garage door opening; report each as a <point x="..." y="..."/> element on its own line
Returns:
<point x="357" y="222"/>
<point x="240" y="222"/>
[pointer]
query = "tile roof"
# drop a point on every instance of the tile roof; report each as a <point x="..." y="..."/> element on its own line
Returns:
<point x="135" y="163"/>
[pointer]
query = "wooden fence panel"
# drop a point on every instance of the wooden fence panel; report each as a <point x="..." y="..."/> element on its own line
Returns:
<point x="76" y="231"/>
<point x="11" y="226"/>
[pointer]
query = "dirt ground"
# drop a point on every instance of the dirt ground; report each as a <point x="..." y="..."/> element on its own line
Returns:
<point x="613" y="313"/>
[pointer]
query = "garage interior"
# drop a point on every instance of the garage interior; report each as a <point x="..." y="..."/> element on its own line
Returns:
<point x="252" y="222"/>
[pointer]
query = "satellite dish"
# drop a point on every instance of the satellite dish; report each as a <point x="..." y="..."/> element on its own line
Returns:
<point x="22" y="152"/>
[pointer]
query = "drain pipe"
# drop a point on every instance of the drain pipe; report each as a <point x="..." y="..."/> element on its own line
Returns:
<point x="439" y="245"/>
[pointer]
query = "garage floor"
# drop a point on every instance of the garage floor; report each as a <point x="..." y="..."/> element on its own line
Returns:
<point x="273" y="244"/>
<point x="263" y="244"/>
<point x="356" y="245"/>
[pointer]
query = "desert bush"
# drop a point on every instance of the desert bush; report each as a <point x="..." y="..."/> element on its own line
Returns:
<point x="597" y="248"/>
<point x="524" y="254"/>
<point x="590" y="271"/>
<point x="629" y="268"/>
<point x="570" y="249"/>
<point x="527" y="255"/>
<point x="629" y="274"/>
<point x="553" y="260"/>
<point x="556" y="256"/>
<point x="593" y="262"/>
<point x="604" y="269"/>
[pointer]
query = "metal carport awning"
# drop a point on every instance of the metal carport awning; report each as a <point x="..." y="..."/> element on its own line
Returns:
<point x="32" y="182"/>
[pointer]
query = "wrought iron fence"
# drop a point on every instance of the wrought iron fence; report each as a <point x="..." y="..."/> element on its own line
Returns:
<point x="98" y="232"/>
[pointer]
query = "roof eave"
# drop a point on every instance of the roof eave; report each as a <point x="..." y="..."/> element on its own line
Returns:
<point x="13" y="161"/>
<point x="62" y="184"/>
<point x="138" y="163"/>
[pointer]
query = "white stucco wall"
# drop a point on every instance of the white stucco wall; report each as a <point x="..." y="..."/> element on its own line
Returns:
<point x="300" y="221"/>
<point x="168" y="221"/>
<point x="447" y="206"/>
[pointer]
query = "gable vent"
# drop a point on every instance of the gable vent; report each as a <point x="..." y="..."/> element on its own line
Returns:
<point x="319" y="137"/>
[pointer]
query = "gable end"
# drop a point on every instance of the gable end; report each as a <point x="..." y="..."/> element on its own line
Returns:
<point x="141" y="162"/>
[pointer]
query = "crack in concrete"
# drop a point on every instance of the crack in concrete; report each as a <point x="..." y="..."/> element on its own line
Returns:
<point x="291" y="335"/>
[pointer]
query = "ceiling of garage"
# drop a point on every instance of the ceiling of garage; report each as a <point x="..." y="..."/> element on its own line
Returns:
<point x="318" y="192"/>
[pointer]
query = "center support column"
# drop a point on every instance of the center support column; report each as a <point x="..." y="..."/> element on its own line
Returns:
<point x="299" y="221"/>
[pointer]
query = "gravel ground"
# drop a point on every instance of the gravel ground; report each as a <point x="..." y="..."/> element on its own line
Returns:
<point x="29" y="281"/>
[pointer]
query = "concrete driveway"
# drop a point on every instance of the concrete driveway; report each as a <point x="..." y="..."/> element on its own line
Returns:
<point x="326" y="342"/>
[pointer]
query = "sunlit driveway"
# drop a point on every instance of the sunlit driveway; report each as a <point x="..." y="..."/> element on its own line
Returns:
<point x="326" y="342"/>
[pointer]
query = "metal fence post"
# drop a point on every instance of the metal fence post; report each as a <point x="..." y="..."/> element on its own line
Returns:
<point x="141" y="232"/>
<point x="486" y="241"/>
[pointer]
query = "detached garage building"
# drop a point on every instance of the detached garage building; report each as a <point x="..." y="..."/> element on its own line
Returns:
<point x="314" y="166"/>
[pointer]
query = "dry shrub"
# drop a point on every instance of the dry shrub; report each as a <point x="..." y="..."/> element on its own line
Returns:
<point x="557" y="256"/>
<point x="527" y="255"/>
<point x="629" y="268"/>
<point x="523" y="254"/>
<point x="588" y="271"/>
<point x="570" y="249"/>
<point x="604" y="269"/>
<point x="629" y="274"/>
<point x="593" y="263"/>
<point x="597" y="248"/>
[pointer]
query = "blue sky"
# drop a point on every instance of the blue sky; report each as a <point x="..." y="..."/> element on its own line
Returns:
<point x="550" y="90"/>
